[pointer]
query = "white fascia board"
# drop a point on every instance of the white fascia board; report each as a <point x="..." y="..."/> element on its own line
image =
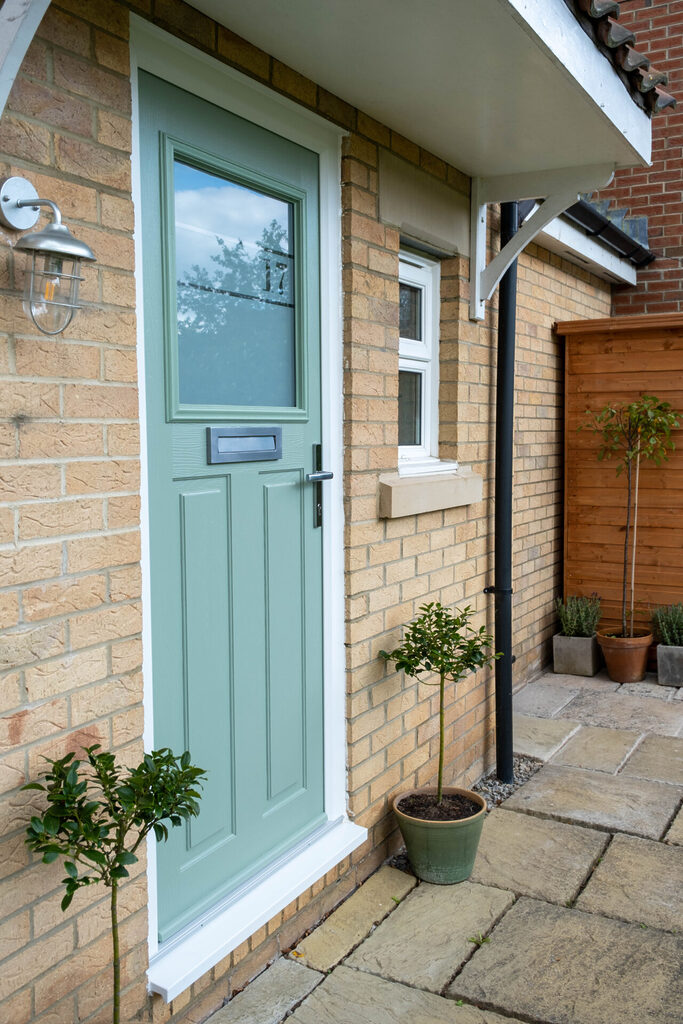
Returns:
<point x="557" y="29"/>
<point x="19" y="21"/>
<point x="573" y="244"/>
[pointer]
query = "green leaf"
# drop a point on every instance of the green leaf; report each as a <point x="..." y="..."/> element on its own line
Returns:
<point x="125" y="857"/>
<point x="70" y="869"/>
<point x="49" y="856"/>
<point x="66" y="900"/>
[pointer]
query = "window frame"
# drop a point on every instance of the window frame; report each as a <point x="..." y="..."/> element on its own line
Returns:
<point x="423" y="357"/>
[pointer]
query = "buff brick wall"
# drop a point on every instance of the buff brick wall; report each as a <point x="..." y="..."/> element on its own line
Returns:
<point x="69" y="507"/>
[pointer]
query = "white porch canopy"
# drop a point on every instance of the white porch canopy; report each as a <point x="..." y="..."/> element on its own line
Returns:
<point x="512" y="92"/>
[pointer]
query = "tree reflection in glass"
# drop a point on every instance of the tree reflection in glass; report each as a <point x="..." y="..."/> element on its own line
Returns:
<point x="235" y="293"/>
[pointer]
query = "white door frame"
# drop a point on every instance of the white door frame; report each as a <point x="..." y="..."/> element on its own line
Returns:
<point x="178" y="963"/>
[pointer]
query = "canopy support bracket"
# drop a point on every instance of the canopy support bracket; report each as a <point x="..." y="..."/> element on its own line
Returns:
<point x="560" y="189"/>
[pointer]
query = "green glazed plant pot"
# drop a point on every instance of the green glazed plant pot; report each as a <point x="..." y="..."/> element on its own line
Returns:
<point x="442" y="852"/>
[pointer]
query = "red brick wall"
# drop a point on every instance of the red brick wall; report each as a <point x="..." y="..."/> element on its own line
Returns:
<point x="656" y="191"/>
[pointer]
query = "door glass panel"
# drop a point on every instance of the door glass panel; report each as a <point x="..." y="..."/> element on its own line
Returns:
<point x="409" y="407"/>
<point x="410" y="312"/>
<point x="235" y="292"/>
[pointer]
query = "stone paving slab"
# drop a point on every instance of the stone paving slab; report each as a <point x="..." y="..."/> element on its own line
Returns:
<point x="540" y="737"/>
<point x="659" y="758"/>
<point x="601" y="681"/>
<point x="351" y="922"/>
<point x="640" y="881"/>
<point x="675" y="833"/>
<point x="646" y="689"/>
<point x="353" y="997"/>
<point x="600" y="750"/>
<point x="425" y="940"/>
<point x="543" y="699"/>
<point x="269" y="997"/>
<point x="535" y="856"/>
<point x="547" y="963"/>
<point x="623" y="711"/>
<point x="610" y="802"/>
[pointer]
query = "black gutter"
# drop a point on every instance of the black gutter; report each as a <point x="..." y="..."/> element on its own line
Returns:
<point x="597" y="225"/>
<point x="505" y="399"/>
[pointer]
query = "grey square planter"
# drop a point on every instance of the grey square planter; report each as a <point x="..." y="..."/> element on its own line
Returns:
<point x="669" y="665"/>
<point x="576" y="655"/>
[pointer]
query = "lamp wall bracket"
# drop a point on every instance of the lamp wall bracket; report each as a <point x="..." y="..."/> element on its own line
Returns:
<point x="560" y="188"/>
<point x="19" y="208"/>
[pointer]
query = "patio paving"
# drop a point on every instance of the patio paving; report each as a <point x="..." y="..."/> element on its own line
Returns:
<point x="351" y="997"/>
<point x="612" y="803"/>
<point x="617" y="710"/>
<point x="562" y="966"/>
<point x="577" y="892"/>
<point x="616" y="888"/>
<point x="659" y="758"/>
<point x="600" y="750"/>
<point x="540" y="737"/>
<point x="535" y="857"/>
<point x="426" y="940"/>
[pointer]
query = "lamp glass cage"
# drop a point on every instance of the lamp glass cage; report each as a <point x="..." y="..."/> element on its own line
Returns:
<point x="51" y="290"/>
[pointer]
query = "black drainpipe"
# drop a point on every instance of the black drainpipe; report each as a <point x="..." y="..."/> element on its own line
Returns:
<point x="505" y="399"/>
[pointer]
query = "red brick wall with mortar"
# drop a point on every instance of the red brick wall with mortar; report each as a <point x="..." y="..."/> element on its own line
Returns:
<point x="655" y="192"/>
<point x="69" y="506"/>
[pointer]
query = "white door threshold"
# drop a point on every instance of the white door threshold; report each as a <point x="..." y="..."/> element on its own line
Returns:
<point x="188" y="956"/>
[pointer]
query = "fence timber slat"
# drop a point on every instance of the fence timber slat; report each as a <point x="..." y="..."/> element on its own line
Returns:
<point x="618" y="360"/>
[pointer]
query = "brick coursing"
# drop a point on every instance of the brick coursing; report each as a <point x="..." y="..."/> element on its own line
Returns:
<point x="655" y="191"/>
<point x="69" y="506"/>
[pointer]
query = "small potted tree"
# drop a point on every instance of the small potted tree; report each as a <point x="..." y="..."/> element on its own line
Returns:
<point x="441" y="825"/>
<point x="575" y="648"/>
<point x="632" y="433"/>
<point x="99" y="814"/>
<point x="667" y="623"/>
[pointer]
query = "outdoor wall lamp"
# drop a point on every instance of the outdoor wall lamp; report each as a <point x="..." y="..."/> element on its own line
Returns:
<point x="51" y="292"/>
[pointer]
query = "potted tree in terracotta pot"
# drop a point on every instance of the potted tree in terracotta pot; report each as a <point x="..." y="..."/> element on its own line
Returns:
<point x="667" y="623"/>
<point x="631" y="433"/>
<point x="441" y="825"/>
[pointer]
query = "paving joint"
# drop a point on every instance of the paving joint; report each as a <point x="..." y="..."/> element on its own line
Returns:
<point x="598" y="860"/>
<point x="478" y="945"/>
<point x="679" y="807"/>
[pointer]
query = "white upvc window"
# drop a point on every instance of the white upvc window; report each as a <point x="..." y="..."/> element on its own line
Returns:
<point x="418" y="367"/>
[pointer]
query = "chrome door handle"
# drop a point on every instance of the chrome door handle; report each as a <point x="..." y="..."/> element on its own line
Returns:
<point x="321" y="474"/>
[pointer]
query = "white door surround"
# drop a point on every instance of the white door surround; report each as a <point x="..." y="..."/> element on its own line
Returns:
<point x="184" y="959"/>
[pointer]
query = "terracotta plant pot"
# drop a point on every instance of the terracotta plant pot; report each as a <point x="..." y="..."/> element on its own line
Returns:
<point x="442" y="852"/>
<point x="625" y="656"/>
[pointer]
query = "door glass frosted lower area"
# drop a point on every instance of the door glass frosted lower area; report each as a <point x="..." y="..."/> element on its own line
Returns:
<point x="235" y="293"/>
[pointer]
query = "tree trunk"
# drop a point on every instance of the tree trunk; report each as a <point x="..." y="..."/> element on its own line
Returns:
<point x="635" y="532"/>
<point x="439" y="789"/>
<point x="626" y="546"/>
<point x="117" y="955"/>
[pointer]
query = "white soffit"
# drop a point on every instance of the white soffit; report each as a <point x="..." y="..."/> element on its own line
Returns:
<point x="493" y="86"/>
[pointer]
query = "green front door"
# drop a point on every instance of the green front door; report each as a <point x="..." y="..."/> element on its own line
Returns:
<point x="232" y="367"/>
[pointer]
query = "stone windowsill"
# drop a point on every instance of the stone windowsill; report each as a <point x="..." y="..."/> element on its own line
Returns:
<point x="410" y="495"/>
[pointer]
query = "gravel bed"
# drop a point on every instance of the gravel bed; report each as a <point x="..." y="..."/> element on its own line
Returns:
<point x="495" y="792"/>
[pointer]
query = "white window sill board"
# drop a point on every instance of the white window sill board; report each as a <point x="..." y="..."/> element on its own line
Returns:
<point x="410" y="495"/>
<point x="182" y="961"/>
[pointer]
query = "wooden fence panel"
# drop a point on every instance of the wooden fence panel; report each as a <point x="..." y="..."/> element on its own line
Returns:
<point x="615" y="361"/>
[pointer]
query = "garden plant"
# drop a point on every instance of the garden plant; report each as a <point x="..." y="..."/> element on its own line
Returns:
<point x="579" y="616"/>
<point x="632" y="433"/>
<point x="442" y="642"/>
<point x="98" y="815"/>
